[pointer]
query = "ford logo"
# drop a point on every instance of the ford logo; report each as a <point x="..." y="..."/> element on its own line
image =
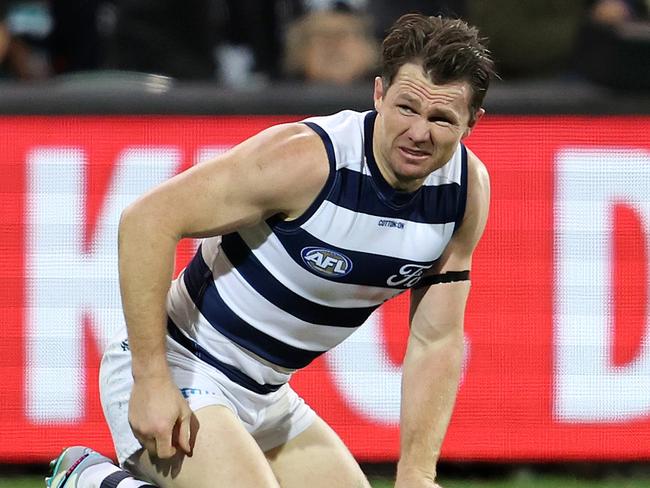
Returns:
<point x="326" y="262"/>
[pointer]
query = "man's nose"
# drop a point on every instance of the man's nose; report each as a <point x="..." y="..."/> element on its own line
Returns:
<point x="419" y="130"/>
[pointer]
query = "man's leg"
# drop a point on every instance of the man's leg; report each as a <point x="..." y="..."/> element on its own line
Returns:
<point x="224" y="454"/>
<point x="81" y="467"/>
<point x="316" y="458"/>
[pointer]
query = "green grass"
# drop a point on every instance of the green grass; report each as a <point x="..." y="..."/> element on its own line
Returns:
<point x="550" y="482"/>
<point x="540" y="481"/>
<point x="22" y="482"/>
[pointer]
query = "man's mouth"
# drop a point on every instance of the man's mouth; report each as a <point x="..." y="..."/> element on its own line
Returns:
<point x="414" y="153"/>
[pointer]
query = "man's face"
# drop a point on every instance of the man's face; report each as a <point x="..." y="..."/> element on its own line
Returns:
<point x="419" y="125"/>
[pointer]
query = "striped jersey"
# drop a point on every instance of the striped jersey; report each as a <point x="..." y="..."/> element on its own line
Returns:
<point x="264" y="301"/>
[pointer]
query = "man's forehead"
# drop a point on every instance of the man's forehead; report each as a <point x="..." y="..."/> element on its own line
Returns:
<point x="412" y="83"/>
<point x="411" y="79"/>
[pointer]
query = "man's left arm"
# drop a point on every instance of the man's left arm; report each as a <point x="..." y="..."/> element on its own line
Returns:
<point x="432" y="364"/>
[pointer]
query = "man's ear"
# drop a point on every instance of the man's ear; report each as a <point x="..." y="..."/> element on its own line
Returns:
<point x="378" y="94"/>
<point x="477" y="116"/>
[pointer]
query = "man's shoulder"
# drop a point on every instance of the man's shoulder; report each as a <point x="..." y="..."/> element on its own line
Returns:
<point x="338" y="117"/>
<point x="292" y="149"/>
<point x="477" y="171"/>
<point x="343" y="135"/>
<point x="340" y="122"/>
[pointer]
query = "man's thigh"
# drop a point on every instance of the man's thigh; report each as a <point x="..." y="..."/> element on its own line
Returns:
<point x="224" y="454"/>
<point x="316" y="458"/>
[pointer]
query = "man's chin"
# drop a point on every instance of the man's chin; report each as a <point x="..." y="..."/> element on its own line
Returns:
<point x="410" y="180"/>
<point x="415" y="170"/>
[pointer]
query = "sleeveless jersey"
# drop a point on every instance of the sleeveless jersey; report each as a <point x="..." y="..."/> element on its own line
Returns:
<point x="262" y="302"/>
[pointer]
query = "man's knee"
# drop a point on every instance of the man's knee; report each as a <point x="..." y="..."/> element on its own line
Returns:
<point x="223" y="454"/>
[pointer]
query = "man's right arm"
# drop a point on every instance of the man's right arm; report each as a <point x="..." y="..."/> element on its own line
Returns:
<point x="279" y="171"/>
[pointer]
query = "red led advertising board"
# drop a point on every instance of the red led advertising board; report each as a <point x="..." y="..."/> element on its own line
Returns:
<point x="557" y="357"/>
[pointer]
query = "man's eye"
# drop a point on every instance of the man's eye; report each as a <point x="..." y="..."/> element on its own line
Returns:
<point x="406" y="109"/>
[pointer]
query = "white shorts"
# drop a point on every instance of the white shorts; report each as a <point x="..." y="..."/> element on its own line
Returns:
<point x="271" y="419"/>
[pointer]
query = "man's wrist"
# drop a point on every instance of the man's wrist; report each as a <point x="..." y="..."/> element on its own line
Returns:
<point x="413" y="475"/>
<point x="151" y="368"/>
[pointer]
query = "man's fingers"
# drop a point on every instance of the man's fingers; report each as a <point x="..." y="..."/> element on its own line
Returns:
<point x="184" y="432"/>
<point x="150" y="446"/>
<point x="164" y="447"/>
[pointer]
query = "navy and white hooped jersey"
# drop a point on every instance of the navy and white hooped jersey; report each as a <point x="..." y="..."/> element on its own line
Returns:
<point x="264" y="301"/>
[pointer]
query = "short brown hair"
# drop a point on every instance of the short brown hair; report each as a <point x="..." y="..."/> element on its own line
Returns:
<point x="448" y="50"/>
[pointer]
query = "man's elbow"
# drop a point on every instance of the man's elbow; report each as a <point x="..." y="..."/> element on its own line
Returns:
<point x="131" y="219"/>
<point x="437" y="333"/>
<point x="442" y="353"/>
<point x="142" y="221"/>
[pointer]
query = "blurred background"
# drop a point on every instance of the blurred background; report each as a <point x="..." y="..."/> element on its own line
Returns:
<point x="102" y="99"/>
<point x="253" y="43"/>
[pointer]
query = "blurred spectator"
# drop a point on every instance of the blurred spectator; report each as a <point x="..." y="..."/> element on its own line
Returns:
<point x="331" y="46"/>
<point x="532" y="38"/>
<point x="616" y="12"/>
<point x="5" y="37"/>
<point x="53" y="37"/>
<point x="27" y="26"/>
<point x="614" y="44"/>
<point x="258" y="35"/>
<point x="336" y="41"/>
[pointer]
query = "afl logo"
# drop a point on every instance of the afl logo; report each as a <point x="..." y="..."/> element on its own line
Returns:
<point x="326" y="262"/>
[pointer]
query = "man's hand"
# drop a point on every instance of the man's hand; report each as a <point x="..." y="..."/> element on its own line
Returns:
<point x="160" y="417"/>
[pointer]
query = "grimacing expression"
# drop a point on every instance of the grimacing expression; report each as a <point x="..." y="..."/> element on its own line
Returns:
<point x="419" y="125"/>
